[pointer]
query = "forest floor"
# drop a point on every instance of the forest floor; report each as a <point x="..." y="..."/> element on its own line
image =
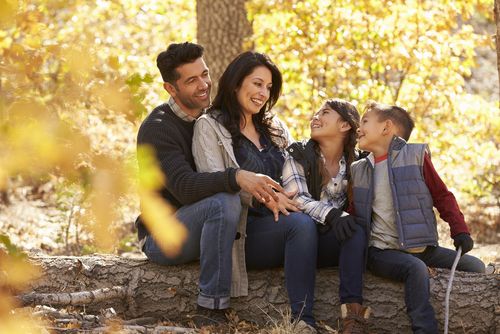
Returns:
<point x="39" y="223"/>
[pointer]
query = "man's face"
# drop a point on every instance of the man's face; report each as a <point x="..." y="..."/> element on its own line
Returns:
<point x="192" y="90"/>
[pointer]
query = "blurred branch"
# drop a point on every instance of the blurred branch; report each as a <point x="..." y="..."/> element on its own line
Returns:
<point x="74" y="298"/>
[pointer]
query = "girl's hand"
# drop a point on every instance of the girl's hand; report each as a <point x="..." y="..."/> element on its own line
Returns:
<point x="284" y="204"/>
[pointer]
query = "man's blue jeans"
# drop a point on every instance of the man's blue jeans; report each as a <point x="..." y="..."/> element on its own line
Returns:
<point x="292" y="242"/>
<point x="349" y="256"/>
<point x="412" y="270"/>
<point x="212" y="224"/>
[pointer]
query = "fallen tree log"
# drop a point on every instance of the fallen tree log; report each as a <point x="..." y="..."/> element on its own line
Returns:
<point x="146" y="289"/>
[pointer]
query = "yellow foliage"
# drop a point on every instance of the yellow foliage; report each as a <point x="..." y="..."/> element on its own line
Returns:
<point x="16" y="272"/>
<point x="150" y="177"/>
<point x="69" y="73"/>
<point x="411" y="53"/>
<point x="20" y="324"/>
<point x="8" y="9"/>
<point x="76" y="78"/>
<point x="161" y="222"/>
<point x="157" y="215"/>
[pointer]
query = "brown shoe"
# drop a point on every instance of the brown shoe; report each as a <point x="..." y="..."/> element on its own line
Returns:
<point x="354" y="318"/>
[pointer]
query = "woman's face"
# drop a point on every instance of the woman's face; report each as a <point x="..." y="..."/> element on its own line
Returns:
<point x="254" y="91"/>
<point x="326" y="122"/>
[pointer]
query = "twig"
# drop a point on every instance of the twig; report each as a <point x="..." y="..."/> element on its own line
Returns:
<point x="140" y="321"/>
<point x="448" y="290"/>
<point x="147" y="329"/>
<point x="54" y="314"/>
<point x="74" y="298"/>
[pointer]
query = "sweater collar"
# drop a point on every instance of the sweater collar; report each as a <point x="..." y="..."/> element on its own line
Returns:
<point x="179" y="112"/>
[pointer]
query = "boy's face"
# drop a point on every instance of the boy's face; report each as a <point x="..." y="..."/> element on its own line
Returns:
<point x="371" y="132"/>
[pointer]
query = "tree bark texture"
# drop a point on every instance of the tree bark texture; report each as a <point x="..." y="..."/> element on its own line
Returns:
<point x="222" y="28"/>
<point x="170" y="292"/>
<point x="497" y="39"/>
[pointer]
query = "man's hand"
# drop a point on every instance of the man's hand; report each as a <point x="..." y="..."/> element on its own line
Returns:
<point x="283" y="205"/>
<point x="464" y="240"/>
<point x="259" y="185"/>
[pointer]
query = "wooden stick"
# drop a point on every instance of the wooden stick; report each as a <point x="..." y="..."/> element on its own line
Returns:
<point x="73" y="298"/>
<point x="148" y="329"/>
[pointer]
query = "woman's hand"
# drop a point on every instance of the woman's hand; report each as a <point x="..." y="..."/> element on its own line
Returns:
<point x="284" y="204"/>
<point x="259" y="185"/>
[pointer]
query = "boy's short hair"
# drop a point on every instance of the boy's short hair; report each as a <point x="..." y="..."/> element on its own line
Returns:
<point x="396" y="114"/>
<point x="174" y="56"/>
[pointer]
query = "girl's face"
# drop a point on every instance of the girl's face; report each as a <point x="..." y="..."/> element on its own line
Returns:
<point x="327" y="123"/>
<point x="254" y="91"/>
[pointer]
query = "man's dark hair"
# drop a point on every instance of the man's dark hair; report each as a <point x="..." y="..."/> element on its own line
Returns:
<point x="396" y="114"/>
<point x="177" y="54"/>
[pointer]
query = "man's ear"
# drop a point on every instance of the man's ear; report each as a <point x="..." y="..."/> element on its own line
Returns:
<point x="170" y="88"/>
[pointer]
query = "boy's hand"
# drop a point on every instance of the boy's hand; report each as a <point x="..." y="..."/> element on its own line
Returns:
<point x="464" y="240"/>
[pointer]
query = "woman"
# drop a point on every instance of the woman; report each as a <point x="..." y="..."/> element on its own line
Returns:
<point x="318" y="172"/>
<point x="239" y="131"/>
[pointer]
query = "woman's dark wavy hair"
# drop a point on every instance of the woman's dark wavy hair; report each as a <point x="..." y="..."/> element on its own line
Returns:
<point x="227" y="102"/>
<point x="350" y="114"/>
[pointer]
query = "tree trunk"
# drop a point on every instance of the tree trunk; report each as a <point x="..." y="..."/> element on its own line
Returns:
<point x="497" y="21"/>
<point x="170" y="292"/>
<point x="222" y="28"/>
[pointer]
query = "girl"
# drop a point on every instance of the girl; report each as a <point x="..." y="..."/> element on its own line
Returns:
<point x="318" y="172"/>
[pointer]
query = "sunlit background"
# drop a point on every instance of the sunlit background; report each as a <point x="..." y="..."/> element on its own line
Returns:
<point x="78" y="77"/>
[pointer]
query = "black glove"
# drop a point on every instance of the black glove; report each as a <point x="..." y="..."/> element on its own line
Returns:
<point x="464" y="240"/>
<point x="343" y="224"/>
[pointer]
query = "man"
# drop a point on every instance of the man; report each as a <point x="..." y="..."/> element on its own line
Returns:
<point x="208" y="204"/>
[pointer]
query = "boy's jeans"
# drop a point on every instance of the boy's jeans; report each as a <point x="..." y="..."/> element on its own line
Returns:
<point x="212" y="224"/>
<point x="412" y="270"/>
<point x="292" y="242"/>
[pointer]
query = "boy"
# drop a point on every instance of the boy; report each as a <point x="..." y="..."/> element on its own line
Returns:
<point x="394" y="191"/>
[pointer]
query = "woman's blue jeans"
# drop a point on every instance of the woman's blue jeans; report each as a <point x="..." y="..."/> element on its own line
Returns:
<point x="292" y="242"/>
<point x="212" y="224"/>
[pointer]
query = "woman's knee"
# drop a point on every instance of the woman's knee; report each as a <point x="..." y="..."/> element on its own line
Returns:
<point x="302" y="223"/>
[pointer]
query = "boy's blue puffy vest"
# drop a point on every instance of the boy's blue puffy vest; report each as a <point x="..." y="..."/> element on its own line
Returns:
<point x="415" y="219"/>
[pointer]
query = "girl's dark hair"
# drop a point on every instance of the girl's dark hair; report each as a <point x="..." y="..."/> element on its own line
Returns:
<point x="227" y="102"/>
<point x="350" y="114"/>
